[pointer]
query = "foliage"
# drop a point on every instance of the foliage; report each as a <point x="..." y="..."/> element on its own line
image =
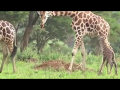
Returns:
<point x="14" y="16"/>
<point x="27" y="54"/>
<point x="59" y="27"/>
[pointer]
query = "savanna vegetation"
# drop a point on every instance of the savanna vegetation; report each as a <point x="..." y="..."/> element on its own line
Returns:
<point x="36" y="46"/>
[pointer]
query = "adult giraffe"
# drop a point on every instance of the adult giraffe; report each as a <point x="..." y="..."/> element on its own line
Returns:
<point x="8" y="42"/>
<point x="86" y="23"/>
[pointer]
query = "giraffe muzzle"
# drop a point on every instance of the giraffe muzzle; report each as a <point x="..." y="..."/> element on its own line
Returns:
<point x="42" y="26"/>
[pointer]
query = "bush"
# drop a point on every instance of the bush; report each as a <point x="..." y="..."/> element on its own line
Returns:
<point x="92" y="58"/>
<point x="58" y="46"/>
<point x="27" y="54"/>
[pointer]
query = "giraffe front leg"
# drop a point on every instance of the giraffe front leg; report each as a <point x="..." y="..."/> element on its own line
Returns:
<point x="74" y="52"/>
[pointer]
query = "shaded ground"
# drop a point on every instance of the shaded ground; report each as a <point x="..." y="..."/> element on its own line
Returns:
<point x="59" y="65"/>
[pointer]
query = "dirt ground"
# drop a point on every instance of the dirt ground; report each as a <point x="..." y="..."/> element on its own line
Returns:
<point x="58" y="65"/>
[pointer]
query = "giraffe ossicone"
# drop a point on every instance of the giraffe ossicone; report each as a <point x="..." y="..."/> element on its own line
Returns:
<point x="85" y="23"/>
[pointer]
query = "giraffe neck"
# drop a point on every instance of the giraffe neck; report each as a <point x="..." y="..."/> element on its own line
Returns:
<point x="64" y="13"/>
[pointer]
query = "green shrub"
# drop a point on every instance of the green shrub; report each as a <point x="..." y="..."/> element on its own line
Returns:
<point x="58" y="46"/>
<point x="27" y="54"/>
<point x="91" y="59"/>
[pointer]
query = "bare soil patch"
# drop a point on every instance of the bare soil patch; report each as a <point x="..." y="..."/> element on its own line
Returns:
<point x="59" y="65"/>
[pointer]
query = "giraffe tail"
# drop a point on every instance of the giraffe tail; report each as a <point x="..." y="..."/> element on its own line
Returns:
<point x="14" y="52"/>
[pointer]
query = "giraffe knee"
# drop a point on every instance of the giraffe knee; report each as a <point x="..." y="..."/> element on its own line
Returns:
<point x="5" y="54"/>
<point x="74" y="52"/>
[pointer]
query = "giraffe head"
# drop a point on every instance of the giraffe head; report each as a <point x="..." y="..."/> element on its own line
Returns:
<point x="44" y="15"/>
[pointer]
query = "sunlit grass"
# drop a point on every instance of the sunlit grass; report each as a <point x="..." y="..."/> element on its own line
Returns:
<point x="25" y="70"/>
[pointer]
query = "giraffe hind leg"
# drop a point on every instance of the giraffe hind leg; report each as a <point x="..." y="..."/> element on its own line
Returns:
<point x="101" y="67"/>
<point x="83" y="52"/>
<point x="74" y="52"/>
<point x="115" y="65"/>
<point x="107" y="67"/>
<point x="14" y="65"/>
<point x="5" y="55"/>
<point x="13" y="51"/>
<point x="111" y="65"/>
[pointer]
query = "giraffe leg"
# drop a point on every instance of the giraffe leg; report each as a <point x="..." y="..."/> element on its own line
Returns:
<point x="100" y="71"/>
<point x="5" y="55"/>
<point x="115" y="64"/>
<point x="111" y="65"/>
<point x="107" y="67"/>
<point x="83" y="52"/>
<point x="116" y="72"/>
<point x="108" y="53"/>
<point x="11" y="49"/>
<point x="14" y="65"/>
<point x="74" y="52"/>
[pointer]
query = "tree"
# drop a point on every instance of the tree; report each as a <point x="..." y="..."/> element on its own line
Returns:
<point x="31" y="22"/>
<point x="14" y="17"/>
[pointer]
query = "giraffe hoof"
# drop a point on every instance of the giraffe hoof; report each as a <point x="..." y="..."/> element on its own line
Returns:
<point x="82" y="66"/>
<point x="70" y="69"/>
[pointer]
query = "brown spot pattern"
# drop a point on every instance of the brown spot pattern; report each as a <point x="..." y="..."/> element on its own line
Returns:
<point x="3" y="24"/>
<point x="80" y="15"/>
<point x="8" y="30"/>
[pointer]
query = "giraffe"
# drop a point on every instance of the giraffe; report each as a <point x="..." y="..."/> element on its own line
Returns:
<point x="8" y="42"/>
<point x="86" y="23"/>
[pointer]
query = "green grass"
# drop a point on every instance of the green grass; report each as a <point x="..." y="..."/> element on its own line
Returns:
<point x="25" y="70"/>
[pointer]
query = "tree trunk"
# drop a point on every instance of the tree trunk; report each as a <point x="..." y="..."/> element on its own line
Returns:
<point x="26" y="37"/>
<point x="32" y="20"/>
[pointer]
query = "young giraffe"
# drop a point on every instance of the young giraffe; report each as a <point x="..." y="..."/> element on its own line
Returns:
<point x="85" y="23"/>
<point x="8" y="41"/>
